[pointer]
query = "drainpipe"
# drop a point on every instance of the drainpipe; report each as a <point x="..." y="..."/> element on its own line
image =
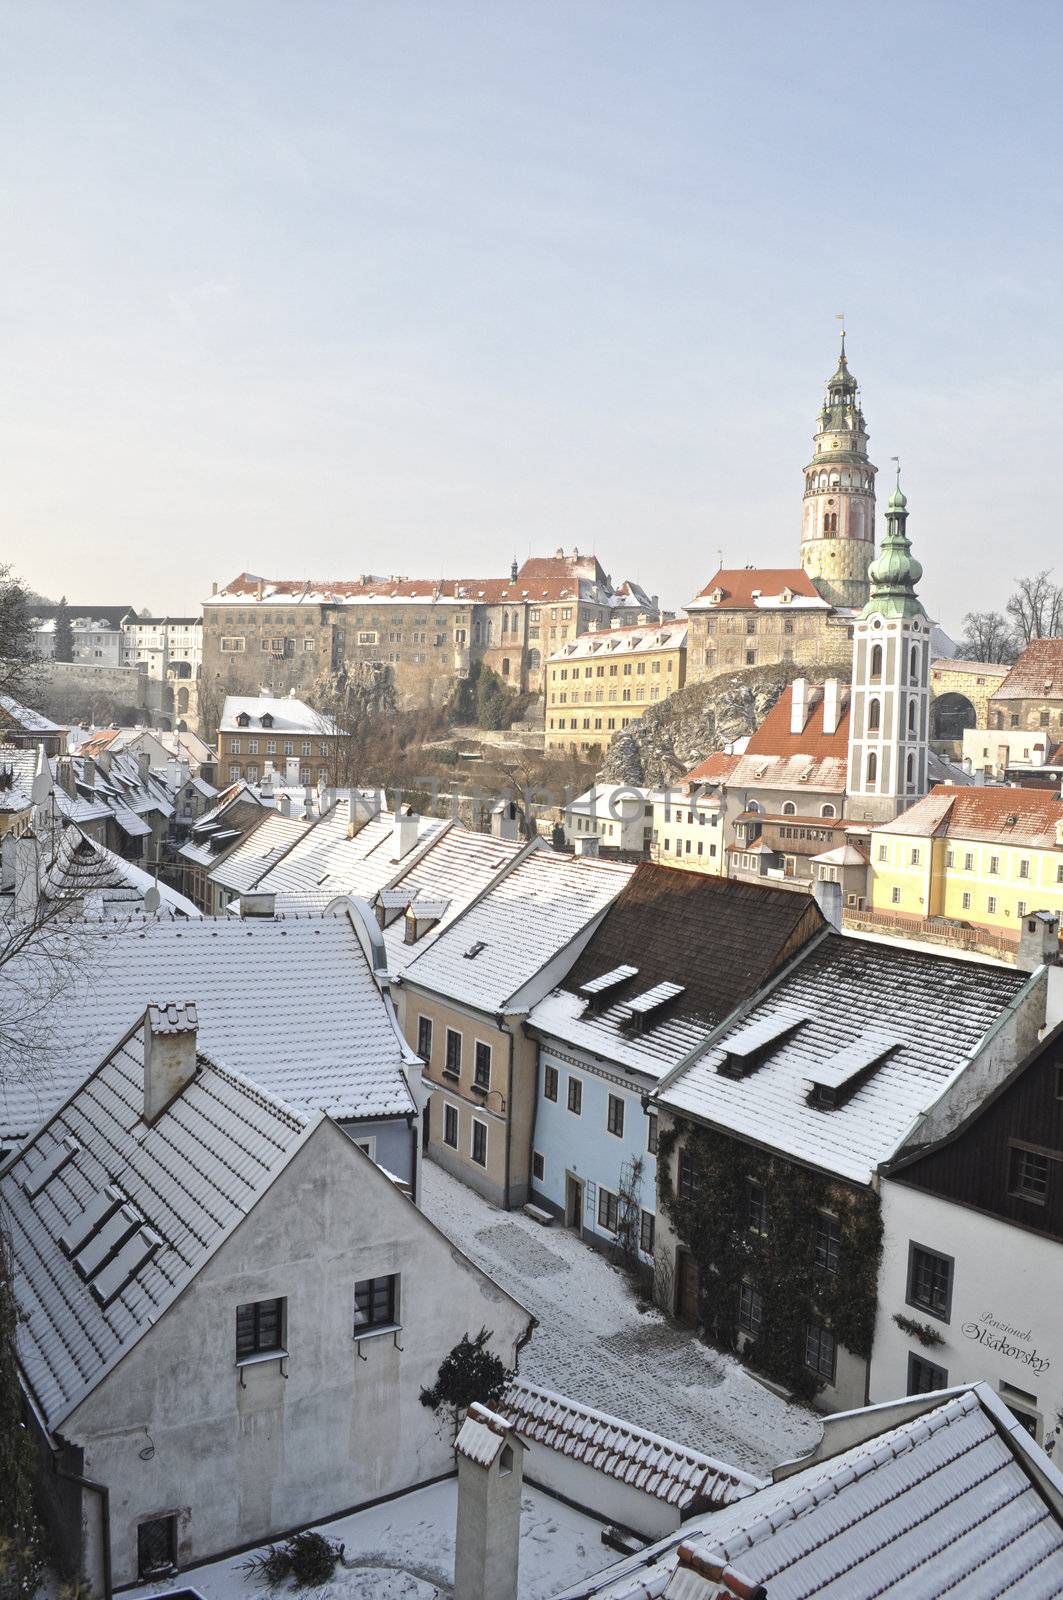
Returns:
<point x="104" y="1493"/>
<point x="500" y="1020"/>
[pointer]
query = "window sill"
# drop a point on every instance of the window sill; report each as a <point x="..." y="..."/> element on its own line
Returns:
<point x="260" y="1356"/>
<point x="480" y="1088"/>
<point x="391" y="1329"/>
<point x="451" y="1077"/>
<point x="928" y="1311"/>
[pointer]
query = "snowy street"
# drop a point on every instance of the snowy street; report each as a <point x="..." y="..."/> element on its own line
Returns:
<point x="594" y="1345"/>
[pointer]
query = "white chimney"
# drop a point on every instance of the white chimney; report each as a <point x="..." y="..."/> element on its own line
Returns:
<point x="171" y="772"/>
<point x="291" y="772"/>
<point x="827" y="893"/>
<point x="504" y="821"/>
<point x="831" y="701"/>
<point x="308" y="804"/>
<point x="169" y="1054"/>
<point x="27" y="874"/>
<point x="586" y="844"/>
<point x="183" y="773"/>
<point x="406" y="827"/>
<point x="325" y="800"/>
<point x="284" y="805"/>
<point x="798" y="705"/>
<point x="490" y="1476"/>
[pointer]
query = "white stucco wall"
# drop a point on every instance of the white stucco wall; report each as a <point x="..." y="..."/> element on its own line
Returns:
<point x="241" y="1461"/>
<point x="1004" y="1322"/>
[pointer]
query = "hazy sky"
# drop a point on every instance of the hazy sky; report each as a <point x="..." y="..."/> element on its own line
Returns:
<point x="325" y="287"/>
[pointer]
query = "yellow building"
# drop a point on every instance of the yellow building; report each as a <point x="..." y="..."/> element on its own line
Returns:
<point x="982" y="856"/>
<point x="602" y="682"/>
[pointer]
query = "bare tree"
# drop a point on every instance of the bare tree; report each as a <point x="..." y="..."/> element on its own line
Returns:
<point x="17" y="652"/>
<point x="1036" y="609"/>
<point x="987" y="636"/>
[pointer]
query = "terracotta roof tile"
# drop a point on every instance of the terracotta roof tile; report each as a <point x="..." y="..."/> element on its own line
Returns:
<point x="1015" y="816"/>
<point x="741" y="586"/>
<point x="1037" y="673"/>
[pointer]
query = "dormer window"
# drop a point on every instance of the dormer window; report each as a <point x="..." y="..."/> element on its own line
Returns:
<point x="243" y="720"/>
<point x="266" y="719"/>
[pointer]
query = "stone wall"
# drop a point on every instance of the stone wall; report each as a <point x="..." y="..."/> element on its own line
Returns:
<point x="74" y="691"/>
<point x="723" y="640"/>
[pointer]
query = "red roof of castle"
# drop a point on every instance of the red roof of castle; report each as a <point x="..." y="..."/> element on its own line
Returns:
<point x="741" y="585"/>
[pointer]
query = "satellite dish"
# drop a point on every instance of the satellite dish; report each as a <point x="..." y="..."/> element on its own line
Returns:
<point x="152" y="900"/>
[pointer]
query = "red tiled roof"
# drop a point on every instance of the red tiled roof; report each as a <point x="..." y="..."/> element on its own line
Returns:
<point x="1037" y="674"/>
<point x="540" y="580"/>
<point x="739" y="583"/>
<point x="1005" y="816"/>
<point x="714" y="769"/>
<point x="773" y="737"/>
<point x="100" y="740"/>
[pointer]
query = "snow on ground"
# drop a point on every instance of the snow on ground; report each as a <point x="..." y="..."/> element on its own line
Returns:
<point x="594" y="1345"/>
<point x="404" y="1550"/>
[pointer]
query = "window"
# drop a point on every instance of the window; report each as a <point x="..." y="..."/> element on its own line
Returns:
<point x="482" y="1069"/>
<point x="157" y="1547"/>
<point x="895" y="897"/>
<point x="450" y="1126"/>
<point x="968" y="862"/>
<point x="872" y="768"/>
<point x="231" y="646"/>
<point x="647" y="1232"/>
<point x="1028" y="1174"/>
<point x="874" y="716"/>
<point x="550" y="1083"/>
<point x="929" y="1281"/>
<point x="374" y="1303"/>
<point x="538" y="1166"/>
<point x="991" y="904"/>
<point x="453" y="1061"/>
<point x="828" y="1243"/>
<point x="1024" y="868"/>
<point x="608" y="1210"/>
<point x="651" y="1130"/>
<point x="789" y="809"/>
<point x="924" y="1375"/>
<point x="688" y="1178"/>
<point x="994" y="864"/>
<point x="883" y="852"/>
<point x="827" y="811"/>
<point x="614" y="1117"/>
<point x="965" y="901"/>
<point x="756" y="1207"/>
<point x="820" y="1351"/>
<point x="575" y="1095"/>
<point x="915" y="855"/>
<point x="479" y="1142"/>
<point x="259" y="1329"/>
<point x="750" y="1310"/>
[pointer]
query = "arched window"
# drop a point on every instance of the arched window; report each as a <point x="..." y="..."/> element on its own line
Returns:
<point x="909" y="775"/>
<point x="913" y="663"/>
<point x="876" y="661"/>
<point x="827" y="811"/>
<point x="872" y="768"/>
<point x="789" y="809"/>
<point x="911" y="716"/>
<point x="874" y="715"/>
<point x="754" y="805"/>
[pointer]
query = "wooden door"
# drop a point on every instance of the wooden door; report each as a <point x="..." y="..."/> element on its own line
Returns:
<point x="686" y="1289"/>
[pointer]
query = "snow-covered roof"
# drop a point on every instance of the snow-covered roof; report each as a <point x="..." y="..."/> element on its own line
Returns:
<point x="670" y="1472"/>
<point x="945" y="1494"/>
<point x="644" y="639"/>
<point x="25" y="717"/>
<point x="17" y="767"/>
<point x="289" y="716"/>
<point x="325" y="863"/>
<point x="507" y="936"/>
<point x="259" y="850"/>
<point x="105" y="883"/>
<point x="940" y="1009"/>
<point x="291" y="1003"/>
<point x="457" y="866"/>
<point x="170" y="1193"/>
<point x="484" y="1435"/>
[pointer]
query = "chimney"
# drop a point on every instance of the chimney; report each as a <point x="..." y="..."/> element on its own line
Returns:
<point x="406" y="827"/>
<point x="832" y="691"/>
<point x="1038" y="941"/>
<point x="183" y="773"/>
<point x="88" y="770"/>
<point x="144" y="763"/>
<point x="490" y="1476"/>
<point x="214" y="587"/>
<point x="260" y="589"/>
<point x="284" y="805"/>
<point x="586" y="844"/>
<point x="828" y="897"/>
<point x="27" y="874"/>
<point x="308" y="804"/>
<point x="325" y="800"/>
<point x="798" y="705"/>
<point x="258" y="903"/>
<point x="504" y="821"/>
<point x="171" y="773"/>
<point x="169" y="1055"/>
<point x="291" y="772"/>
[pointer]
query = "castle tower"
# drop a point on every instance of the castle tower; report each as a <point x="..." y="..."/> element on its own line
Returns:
<point x="889" y="707"/>
<point x="838" y="531"/>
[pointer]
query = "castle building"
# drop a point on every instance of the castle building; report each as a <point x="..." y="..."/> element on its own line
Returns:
<point x="758" y="616"/>
<point x="889" y="701"/>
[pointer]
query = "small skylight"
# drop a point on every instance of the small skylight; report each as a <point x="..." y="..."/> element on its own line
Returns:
<point x="95" y="1214"/>
<point x="53" y="1162"/>
<point x="750" y="1047"/>
<point x="119" y="1272"/>
<point x="110" y="1238"/>
<point x="474" y="950"/>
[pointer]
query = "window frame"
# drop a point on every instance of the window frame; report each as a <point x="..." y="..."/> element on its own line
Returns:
<point x="828" y="1228"/>
<point x="157" y="1570"/>
<point x="647" y="1225"/>
<point x="750" y="1310"/>
<point x="478" y="1134"/>
<point x="482" y="1080"/>
<point x="256" y="1351"/>
<point x="451" y="1117"/>
<point x="614" y="1115"/>
<point x="915" y="1361"/>
<point x="574" y="1095"/>
<point x="610" y="1201"/>
<point x="551" y="1080"/>
<point x="424" y="1029"/>
<point x="927" y="1307"/>
<point x="450" y="1054"/>
<point x="819" y="1333"/>
<point x="1017" y="1150"/>
<point x="374" y="1324"/>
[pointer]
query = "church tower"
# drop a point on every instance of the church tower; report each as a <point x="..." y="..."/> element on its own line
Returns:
<point x="838" y="531"/>
<point x="889" y="707"/>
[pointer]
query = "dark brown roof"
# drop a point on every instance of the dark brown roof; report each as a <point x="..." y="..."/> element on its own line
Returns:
<point x="1037" y="675"/>
<point x="717" y="937"/>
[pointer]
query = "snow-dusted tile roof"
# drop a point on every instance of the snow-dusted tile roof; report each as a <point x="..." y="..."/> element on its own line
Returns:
<point x="326" y="863"/>
<point x="107" y="882"/>
<point x="288" y="716"/>
<point x="292" y="1004"/>
<point x="514" y="930"/>
<point x="261" y="849"/>
<point x="939" y="1008"/>
<point x="670" y="1472"/>
<point x="482" y="1435"/>
<point x="25" y="717"/>
<point x="955" y="1501"/>
<point x="565" y="1017"/>
<point x="457" y="866"/>
<point x="189" y="1178"/>
<point x="17" y="767"/>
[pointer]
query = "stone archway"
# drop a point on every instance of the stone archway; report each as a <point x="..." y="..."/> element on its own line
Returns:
<point x="950" y="715"/>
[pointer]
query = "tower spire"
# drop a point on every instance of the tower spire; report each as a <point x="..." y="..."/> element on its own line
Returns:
<point x="838" y="529"/>
<point x="895" y="572"/>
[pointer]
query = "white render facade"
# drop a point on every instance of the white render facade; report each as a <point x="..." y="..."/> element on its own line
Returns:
<point x="1001" y="1323"/>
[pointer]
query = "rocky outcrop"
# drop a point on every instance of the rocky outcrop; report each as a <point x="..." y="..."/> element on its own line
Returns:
<point x="674" y="736"/>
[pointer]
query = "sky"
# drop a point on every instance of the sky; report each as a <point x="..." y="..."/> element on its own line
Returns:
<point x="326" y="287"/>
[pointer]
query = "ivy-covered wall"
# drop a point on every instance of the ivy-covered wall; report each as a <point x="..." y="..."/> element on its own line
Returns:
<point x="779" y="1262"/>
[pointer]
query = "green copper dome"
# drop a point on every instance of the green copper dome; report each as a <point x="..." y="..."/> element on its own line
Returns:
<point x="895" y="573"/>
<point x="843" y="378"/>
